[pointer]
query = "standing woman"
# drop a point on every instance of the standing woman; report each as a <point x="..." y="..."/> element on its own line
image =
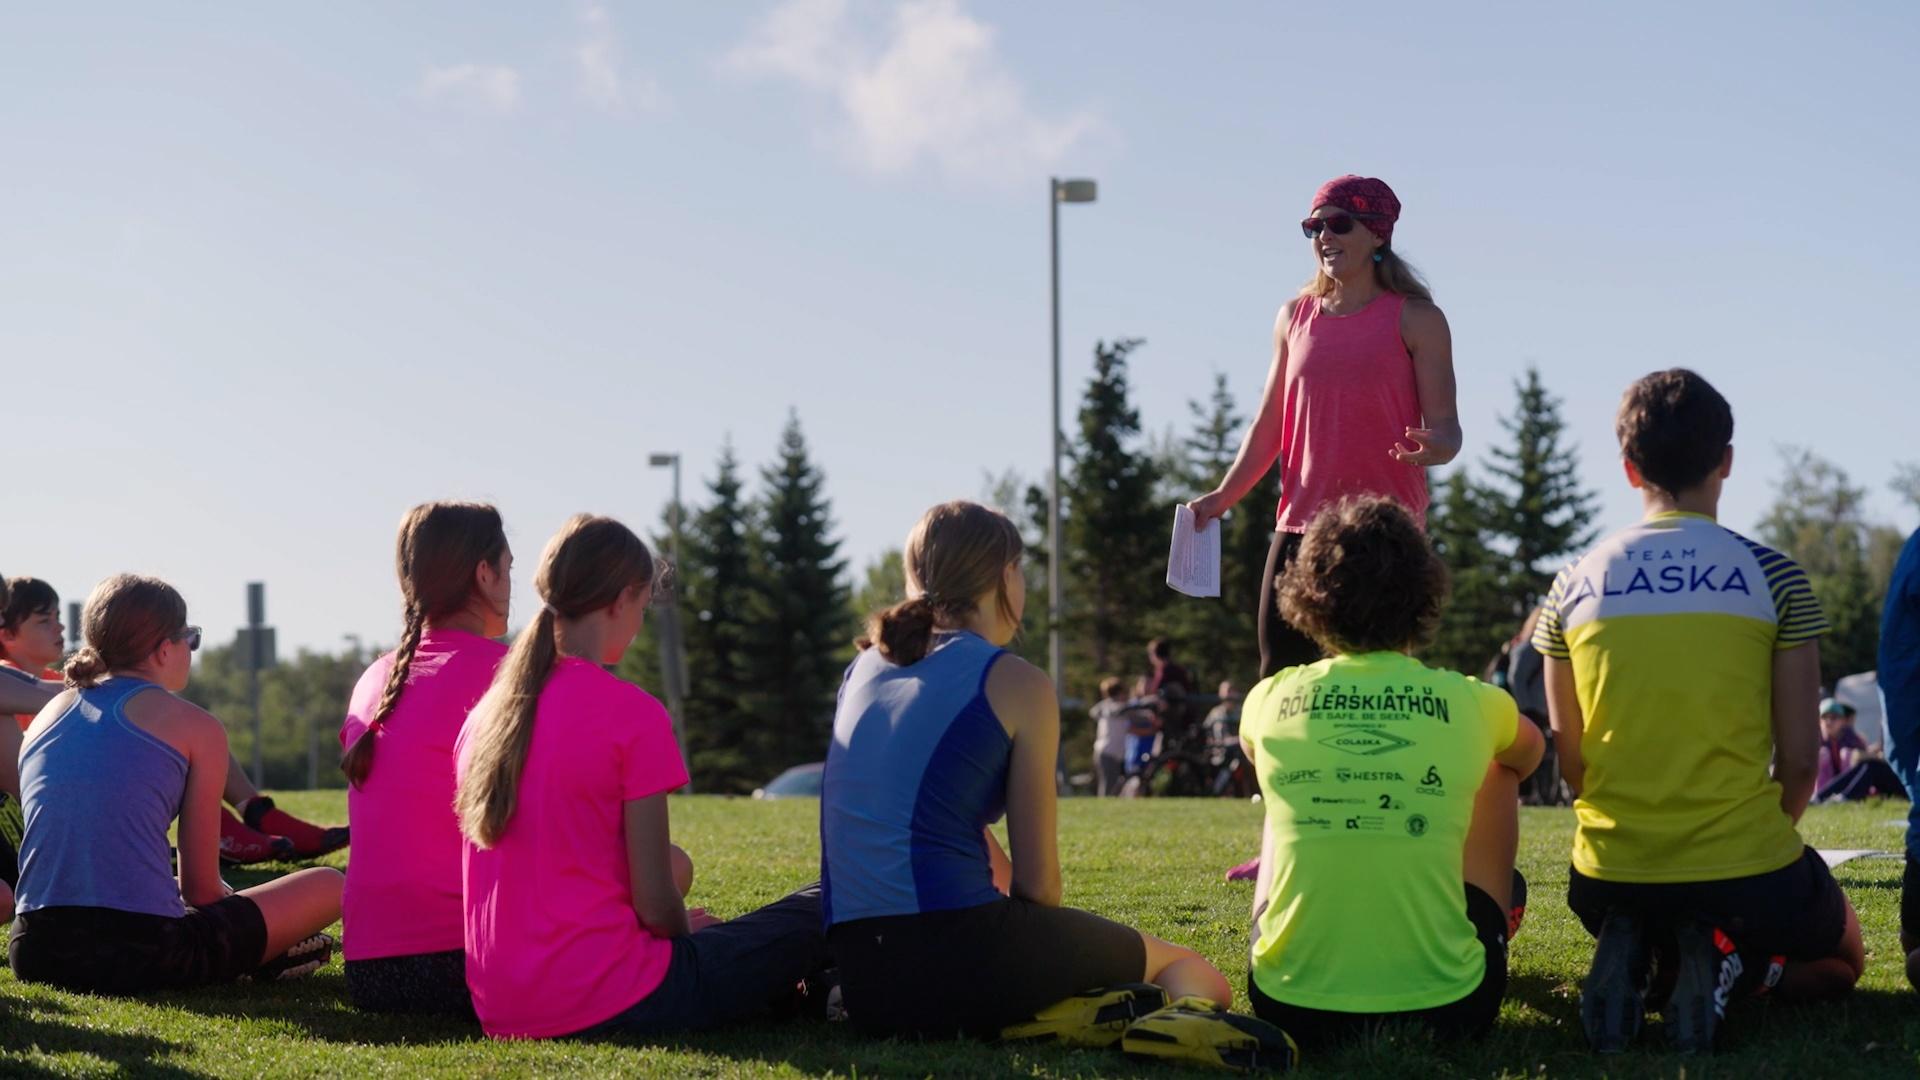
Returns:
<point x="106" y="769"/>
<point x="1360" y="396"/>
<point x="401" y="913"/>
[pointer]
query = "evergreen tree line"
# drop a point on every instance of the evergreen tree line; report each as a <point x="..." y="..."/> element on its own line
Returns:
<point x="769" y="610"/>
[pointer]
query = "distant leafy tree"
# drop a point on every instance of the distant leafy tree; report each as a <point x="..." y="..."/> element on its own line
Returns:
<point x="302" y="703"/>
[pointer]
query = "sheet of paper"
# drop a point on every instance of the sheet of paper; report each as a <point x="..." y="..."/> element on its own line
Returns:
<point x="1835" y="856"/>
<point x="1193" y="559"/>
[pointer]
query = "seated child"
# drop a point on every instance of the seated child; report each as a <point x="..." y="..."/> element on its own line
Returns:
<point x="105" y="770"/>
<point x="1682" y="675"/>
<point x="1391" y="796"/>
<point x="940" y="730"/>
<point x="573" y="894"/>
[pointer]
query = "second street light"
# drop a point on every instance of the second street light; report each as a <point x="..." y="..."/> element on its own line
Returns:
<point x="1058" y="191"/>
<point x="673" y="656"/>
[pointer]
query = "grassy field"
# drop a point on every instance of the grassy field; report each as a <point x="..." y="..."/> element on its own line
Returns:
<point x="1153" y="864"/>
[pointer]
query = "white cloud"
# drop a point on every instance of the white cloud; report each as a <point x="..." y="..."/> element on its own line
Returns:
<point x="929" y="87"/>
<point x="493" y="87"/>
<point x="604" y="80"/>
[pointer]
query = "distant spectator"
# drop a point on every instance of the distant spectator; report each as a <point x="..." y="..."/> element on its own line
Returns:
<point x="1111" y="719"/>
<point x="1223" y="720"/>
<point x="1841" y="747"/>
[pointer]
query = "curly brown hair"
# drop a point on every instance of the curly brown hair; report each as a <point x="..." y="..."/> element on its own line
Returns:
<point x="1365" y="579"/>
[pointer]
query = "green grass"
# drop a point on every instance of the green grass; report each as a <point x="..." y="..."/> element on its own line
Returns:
<point x="1153" y="864"/>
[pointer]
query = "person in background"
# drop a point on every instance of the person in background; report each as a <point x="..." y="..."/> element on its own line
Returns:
<point x="1841" y="747"/>
<point x="1110" y="729"/>
<point x="574" y="895"/>
<point x="106" y="770"/>
<point x="1223" y="720"/>
<point x="402" y="929"/>
<point x="1143" y="726"/>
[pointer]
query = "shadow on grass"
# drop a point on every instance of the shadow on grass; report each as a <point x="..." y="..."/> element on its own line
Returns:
<point x="28" y="1025"/>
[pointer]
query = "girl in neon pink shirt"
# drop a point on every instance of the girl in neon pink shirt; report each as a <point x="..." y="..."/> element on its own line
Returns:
<point x="575" y="914"/>
<point x="401" y="914"/>
<point x="1362" y="367"/>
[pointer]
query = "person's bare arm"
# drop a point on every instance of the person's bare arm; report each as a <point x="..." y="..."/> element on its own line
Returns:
<point x="1000" y="866"/>
<point x="1563" y="714"/>
<point x="1430" y="342"/>
<point x="1023" y="697"/>
<point x="1524" y="754"/>
<point x="656" y="896"/>
<point x="1261" y="445"/>
<point x="198" y="841"/>
<point x="1796" y="725"/>
<point x="26" y="695"/>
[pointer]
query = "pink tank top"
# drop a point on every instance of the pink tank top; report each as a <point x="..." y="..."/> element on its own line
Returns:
<point x="1348" y="396"/>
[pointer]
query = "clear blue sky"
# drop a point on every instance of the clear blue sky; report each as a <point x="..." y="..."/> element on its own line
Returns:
<point x="272" y="274"/>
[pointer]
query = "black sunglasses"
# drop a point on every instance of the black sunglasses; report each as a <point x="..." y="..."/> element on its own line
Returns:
<point x="1337" y="224"/>
<point x="188" y="634"/>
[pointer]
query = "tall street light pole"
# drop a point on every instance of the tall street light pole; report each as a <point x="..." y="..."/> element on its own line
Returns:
<point x="1058" y="191"/>
<point x="673" y="656"/>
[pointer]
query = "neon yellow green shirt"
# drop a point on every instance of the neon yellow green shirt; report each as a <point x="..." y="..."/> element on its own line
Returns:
<point x="1368" y="767"/>
<point x="1670" y="626"/>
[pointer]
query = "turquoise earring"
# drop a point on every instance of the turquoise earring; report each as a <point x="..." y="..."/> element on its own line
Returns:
<point x="1376" y="257"/>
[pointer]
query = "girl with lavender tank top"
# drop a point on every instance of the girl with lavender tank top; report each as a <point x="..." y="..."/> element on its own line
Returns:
<point x="1360" y="395"/>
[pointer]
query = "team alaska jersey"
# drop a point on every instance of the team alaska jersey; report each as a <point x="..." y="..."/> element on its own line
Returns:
<point x="1671" y="626"/>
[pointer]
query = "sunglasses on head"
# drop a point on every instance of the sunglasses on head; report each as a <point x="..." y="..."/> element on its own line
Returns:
<point x="1337" y="224"/>
<point x="188" y="634"/>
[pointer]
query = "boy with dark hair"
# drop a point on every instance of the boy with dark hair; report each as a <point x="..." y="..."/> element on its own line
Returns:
<point x="1683" y="675"/>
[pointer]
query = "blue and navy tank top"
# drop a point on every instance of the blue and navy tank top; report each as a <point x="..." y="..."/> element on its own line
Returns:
<point x="98" y="794"/>
<point x="916" y="772"/>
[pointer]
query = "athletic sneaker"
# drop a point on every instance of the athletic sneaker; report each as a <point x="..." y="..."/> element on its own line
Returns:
<point x="1246" y="871"/>
<point x="1613" y="998"/>
<point x="306" y="957"/>
<point x="1710" y="964"/>
<point x="1517" y="911"/>
<point x="1195" y="1031"/>
<point x="308" y="840"/>
<point x="1095" y="1018"/>
<point x="240" y="844"/>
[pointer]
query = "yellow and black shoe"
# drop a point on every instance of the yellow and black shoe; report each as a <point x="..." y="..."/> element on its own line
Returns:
<point x="1095" y="1018"/>
<point x="1195" y="1031"/>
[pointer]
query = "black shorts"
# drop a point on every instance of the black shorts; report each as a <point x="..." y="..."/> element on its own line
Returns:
<point x="973" y="971"/>
<point x="108" y="951"/>
<point x="1282" y="645"/>
<point x="424" y="983"/>
<point x="1468" y="1018"/>
<point x="1797" y="911"/>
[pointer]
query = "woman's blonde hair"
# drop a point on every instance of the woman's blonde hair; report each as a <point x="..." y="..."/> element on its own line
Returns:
<point x="587" y="565"/>
<point x="956" y="551"/>
<point x="1392" y="273"/>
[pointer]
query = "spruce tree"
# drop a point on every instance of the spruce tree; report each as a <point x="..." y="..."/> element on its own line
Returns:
<point x="1543" y="515"/>
<point x="797" y="636"/>
<point x="716" y="581"/>
<point x="1115" y="534"/>
<point x="1483" y="611"/>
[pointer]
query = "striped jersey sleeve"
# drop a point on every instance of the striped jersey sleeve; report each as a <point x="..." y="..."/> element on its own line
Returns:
<point x="1549" y="637"/>
<point x="1800" y="617"/>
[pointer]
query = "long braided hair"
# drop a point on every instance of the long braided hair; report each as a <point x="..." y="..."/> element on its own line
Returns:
<point x="440" y="546"/>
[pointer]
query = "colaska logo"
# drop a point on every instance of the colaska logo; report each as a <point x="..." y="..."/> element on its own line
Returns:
<point x="1295" y="776"/>
<point x="1669" y="579"/>
<point x="1368" y="775"/>
<point x="1364" y="742"/>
